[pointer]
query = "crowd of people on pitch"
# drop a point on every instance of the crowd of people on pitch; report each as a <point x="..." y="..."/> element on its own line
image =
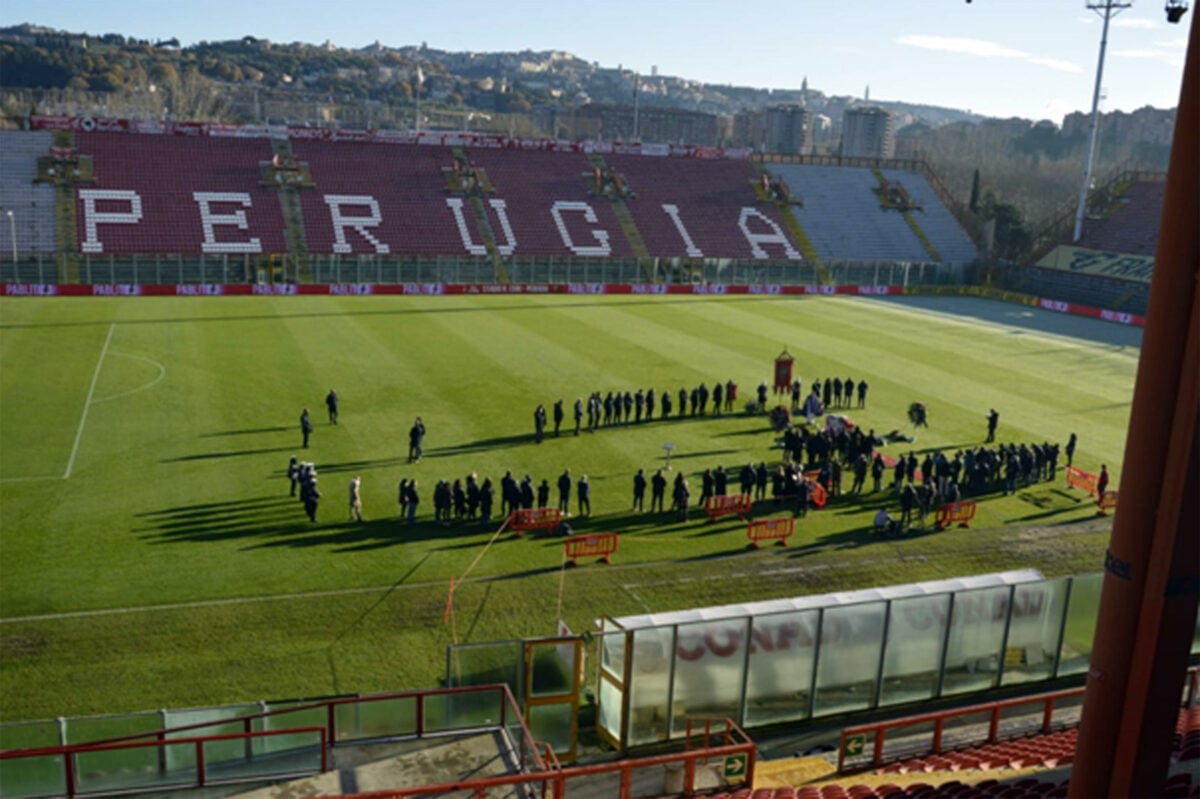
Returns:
<point x="472" y="499"/>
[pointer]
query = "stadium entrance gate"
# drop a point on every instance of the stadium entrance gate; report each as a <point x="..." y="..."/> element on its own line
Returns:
<point x="544" y="674"/>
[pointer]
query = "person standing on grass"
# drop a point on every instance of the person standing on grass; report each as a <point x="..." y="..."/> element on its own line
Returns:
<point x="993" y="419"/>
<point x="331" y="402"/>
<point x="579" y="413"/>
<point x="306" y="426"/>
<point x="639" y="491"/>
<point x="558" y="416"/>
<point x="658" y="489"/>
<point x="293" y="473"/>
<point x="1070" y="449"/>
<point x="1101" y="483"/>
<point x="356" y="499"/>
<point x="311" y="497"/>
<point x="539" y="423"/>
<point x="416" y="440"/>
<point x="487" y="496"/>
<point x="680" y="496"/>
<point x="585" y="496"/>
<point x="862" y="393"/>
<point x="564" y="492"/>
<point x="414" y="499"/>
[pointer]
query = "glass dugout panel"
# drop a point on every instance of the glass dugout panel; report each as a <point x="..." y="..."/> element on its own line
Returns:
<point x="848" y="658"/>
<point x="977" y="623"/>
<point x="710" y="660"/>
<point x="1083" y="606"/>
<point x="1033" y="630"/>
<point x="649" y="685"/>
<point x="780" y="668"/>
<point x="913" y="651"/>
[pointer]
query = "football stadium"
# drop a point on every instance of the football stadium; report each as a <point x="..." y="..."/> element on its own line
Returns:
<point x="414" y="463"/>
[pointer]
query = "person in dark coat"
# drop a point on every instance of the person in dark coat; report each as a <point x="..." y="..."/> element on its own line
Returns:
<point x="730" y="395"/>
<point x="639" y="405"/>
<point x="827" y="393"/>
<point x="416" y="440"/>
<point x="761" y="476"/>
<point x="639" y="491"/>
<point x="718" y="396"/>
<point x="993" y="419"/>
<point x="650" y="404"/>
<point x="414" y="499"/>
<point x="1102" y="483"/>
<point x="746" y="479"/>
<point x="293" y="473"/>
<point x="510" y="494"/>
<point x="543" y="493"/>
<point x="680" y="495"/>
<point x="702" y="390"/>
<point x="584" y="489"/>
<point x="539" y="423"/>
<point x="683" y="401"/>
<point x="306" y="427"/>
<point x="564" y="492"/>
<point x="706" y="486"/>
<point x="1070" y="448"/>
<point x="720" y="481"/>
<point x="487" y="496"/>
<point x="658" y="490"/>
<point x="908" y="499"/>
<point x="837" y="392"/>
<point x="578" y="414"/>
<point x="627" y="404"/>
<point x="311" y="498"/>
<point x="331" y="402"/>
<point x="527" y="494"/>
<point x="862" y="393"/>
<point x="762" y="397"/>
<point x="558" y="416"/>
<point x="666" y="405"/>
<point x="848" y="391"/>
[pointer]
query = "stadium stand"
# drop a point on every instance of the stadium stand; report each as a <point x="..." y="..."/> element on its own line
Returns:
<point x="548" y="207"/>
<point x="842" y="217"/>
<point x="32" y="204"/>
<point x="408" y="190"/>
<point x="709" y="197"/>
<point x="935" y="219"/>
<point x="1090" y="290"/>
<point x="145" y="196"/>
<point x="1130" y="223"/>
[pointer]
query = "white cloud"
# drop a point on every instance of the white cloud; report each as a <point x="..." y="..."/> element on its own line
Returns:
<point x="1055" y="63"/>
<point x="1134" y="22"/>
<point x="1139" y="54"/>
<point x="982" y="48"/>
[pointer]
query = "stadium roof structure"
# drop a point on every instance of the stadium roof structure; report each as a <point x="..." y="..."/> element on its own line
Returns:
<point x="743" y="609"/>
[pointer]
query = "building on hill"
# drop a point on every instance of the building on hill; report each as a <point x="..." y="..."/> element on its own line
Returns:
<point x="787" y="129"/>
<point x="868" y="133"/>
<point x="1153" y="125"/>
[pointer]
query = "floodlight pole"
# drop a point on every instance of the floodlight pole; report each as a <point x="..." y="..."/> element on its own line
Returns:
<point x="1108" y="9"/>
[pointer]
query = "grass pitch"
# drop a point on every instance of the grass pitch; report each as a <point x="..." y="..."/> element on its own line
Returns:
<point x="150" y="554"/>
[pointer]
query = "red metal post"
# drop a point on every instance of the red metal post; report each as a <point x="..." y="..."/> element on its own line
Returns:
<point x="1148" y="604"/>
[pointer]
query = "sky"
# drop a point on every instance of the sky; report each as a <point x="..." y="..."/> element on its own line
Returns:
<point x="1030" y="58"/>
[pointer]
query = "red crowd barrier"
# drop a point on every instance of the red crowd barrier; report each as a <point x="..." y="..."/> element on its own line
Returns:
<point x="770" y="530"/>
<point x="732" y="505"/>
<point x="1107" y="502"/>
<point x="534" y="519"/>
<point x="593" y="545"/>
<point x="955" y="512"/>
<point x="1078" y="478"/>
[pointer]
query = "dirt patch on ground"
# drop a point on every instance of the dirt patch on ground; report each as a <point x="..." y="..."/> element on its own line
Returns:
<point x="19" y="647"/>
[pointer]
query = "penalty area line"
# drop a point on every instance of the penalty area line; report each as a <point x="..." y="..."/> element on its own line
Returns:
<point x="88" y="403"/>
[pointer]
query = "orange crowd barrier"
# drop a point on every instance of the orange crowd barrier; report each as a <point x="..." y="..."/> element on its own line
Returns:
<point x="770" y="530"/>
<point x="817" y="495"/>
<point x="593" y="545"/>
<point x="730" y="505"/>
<point x="1078" y="478"/>
<point x="534" y="519"/>
<point x="1107" y="502"/>
<point x="955" y="512"/>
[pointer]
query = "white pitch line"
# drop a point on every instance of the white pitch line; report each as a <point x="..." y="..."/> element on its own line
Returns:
<point x="88" y="404"/>
<point x="208" y="603"/>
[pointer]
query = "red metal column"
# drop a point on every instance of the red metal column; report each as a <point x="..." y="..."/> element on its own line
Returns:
<point x="1148" y="605"/>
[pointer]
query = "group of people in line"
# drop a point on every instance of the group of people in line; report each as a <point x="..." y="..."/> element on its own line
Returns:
<point x="302" y="475"/>
<point x="832" y="392"/>
<point x="624" y="407"/>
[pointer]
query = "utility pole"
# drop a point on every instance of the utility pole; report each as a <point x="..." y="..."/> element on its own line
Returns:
<point x="1107" y="10"/>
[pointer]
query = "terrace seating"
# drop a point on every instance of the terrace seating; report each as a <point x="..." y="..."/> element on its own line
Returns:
<point x="32" y="204"/>
<point x="1131" y="224"/>
<point x="709" y="197"/>
<point x="842" y="218"/>
<point x="530" y="183"/>
<point x="165" y="171"/>
<point x="408" y="187"/>
<point x="935" y="219"/>
<point x="1091" y="290"/>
